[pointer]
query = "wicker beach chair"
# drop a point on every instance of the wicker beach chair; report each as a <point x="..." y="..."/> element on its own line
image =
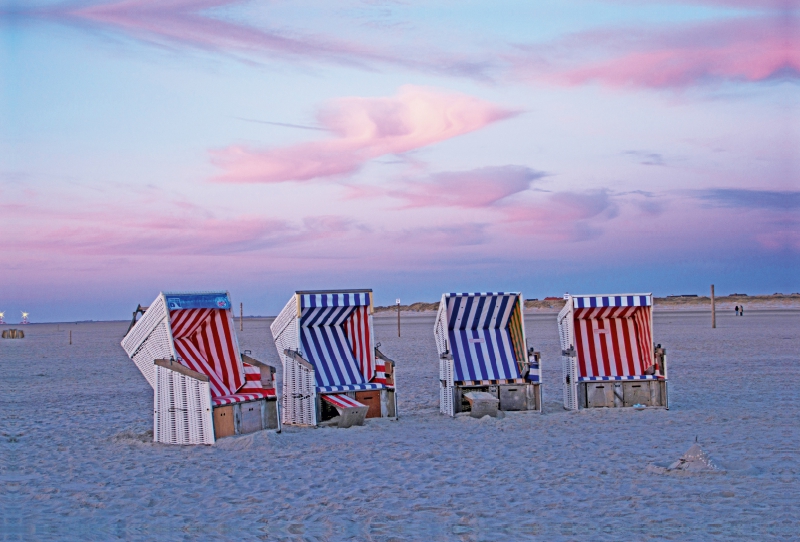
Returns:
<point x="185" y="346"/>
<point x="481" y="342"/>
<point x="608" y="355"/>
<point x="330" y="363"/>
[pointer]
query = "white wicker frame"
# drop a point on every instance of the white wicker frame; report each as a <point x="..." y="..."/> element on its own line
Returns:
<point x="182" y="410"/>
<point x="447" y="386"/>
<point x="569" y="363"/>
<point x="150" y="339"/>
<point x="299" y="397"/>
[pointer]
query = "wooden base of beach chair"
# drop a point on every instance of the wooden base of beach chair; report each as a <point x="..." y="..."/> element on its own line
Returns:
<point x="372" y="399"/>
<point x="351" y="412"/>
<point x="618" y="394"/>
<point x="482" y="404"/>
<point x="511" y="397"/>
<point x="244" y="418"/>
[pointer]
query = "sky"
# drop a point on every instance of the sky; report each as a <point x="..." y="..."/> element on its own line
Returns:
<point x="412" y="147"/>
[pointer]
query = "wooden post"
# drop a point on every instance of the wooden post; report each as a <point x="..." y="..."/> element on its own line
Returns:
<point x="241" y="316"/>
<point x="713" y="309"/>
<point x="398" y="317"/>
<point x="70" y="336"/>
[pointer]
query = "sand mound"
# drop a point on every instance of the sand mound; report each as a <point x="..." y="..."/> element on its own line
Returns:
<point x="694" y="460"/>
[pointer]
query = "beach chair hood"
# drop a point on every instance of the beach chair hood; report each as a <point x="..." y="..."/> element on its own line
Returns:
<point x="484" y="334"/>
<point x="335" y="337"/>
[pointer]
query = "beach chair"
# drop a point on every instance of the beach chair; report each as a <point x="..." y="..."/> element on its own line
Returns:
<point x="481" y="342"/>
<point x="331" y="366"/>
<point x="608" y="355"/>
<point x="185" y="346"/>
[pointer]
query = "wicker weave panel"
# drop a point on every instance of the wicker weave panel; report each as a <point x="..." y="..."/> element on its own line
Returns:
<point x="182" y="410"/>
<point x="156" y="346"/>
<point x="152" y="317"/>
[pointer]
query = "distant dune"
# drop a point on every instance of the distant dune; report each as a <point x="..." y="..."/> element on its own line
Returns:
<point x="774" y="301"/>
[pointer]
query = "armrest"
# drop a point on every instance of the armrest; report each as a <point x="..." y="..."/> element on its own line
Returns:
<point x="255" y="363"/>
<point x="298" y="358"/>
<point x="173" y="365"/>
<point x="380" y="355"/>
<point x="267" y="372"/>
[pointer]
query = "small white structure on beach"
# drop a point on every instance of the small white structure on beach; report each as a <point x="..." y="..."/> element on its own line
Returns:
<point x="331" y="365"/>
<point x="608" y="355"/>
<point x="185" y="345"/>
<point x="482" y="348"/>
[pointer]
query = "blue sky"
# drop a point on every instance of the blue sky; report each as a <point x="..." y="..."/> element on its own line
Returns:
<point x="411" y="147"/>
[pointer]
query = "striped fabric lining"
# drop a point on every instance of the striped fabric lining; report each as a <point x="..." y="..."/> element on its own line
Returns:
<point x="327" y="348"/>
<point x="204" y="342"/>
<point x="252" y="378"/>
<point x="335" y="337"/>
<point x="491" y="382"/>
<point x="352" y="387"/>
<point x="608" y="378"/>
<point x="359" y="299"/>
<point x="243" y="397"/>
<point x="342" y="401"/>
<point x="613" y="341"/>
<point x="581" y="302"/>
<point x="481" y="342"/>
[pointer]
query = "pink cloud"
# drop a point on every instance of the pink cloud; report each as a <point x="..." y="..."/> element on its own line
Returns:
<point x="746" y="49"/>
<point x="477" y="188"/>
<point x="185" y="22"/>
<point x="363" y="129"/>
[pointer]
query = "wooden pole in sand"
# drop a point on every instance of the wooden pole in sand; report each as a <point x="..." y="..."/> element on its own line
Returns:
<point x="241" y="316"/>
<point x="70" y="336"/>
<point x="398" y="317"/>
<point x="713" y="309"/>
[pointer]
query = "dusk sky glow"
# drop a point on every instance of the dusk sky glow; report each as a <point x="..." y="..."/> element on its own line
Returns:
<point x="409" y="147"/>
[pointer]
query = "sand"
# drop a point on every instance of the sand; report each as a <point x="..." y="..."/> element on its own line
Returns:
<point x="77" y="461"/>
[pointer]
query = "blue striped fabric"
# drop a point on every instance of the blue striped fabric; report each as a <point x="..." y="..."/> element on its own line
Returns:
<point x="355" y="299"/>
<point x="603" y="378"/>
<point x="351" y="387"/>
<point x="325" y="316"/>
<point x="326" y="348"/>
<point x="480" y="341"/>
<point x="583" y="302"/>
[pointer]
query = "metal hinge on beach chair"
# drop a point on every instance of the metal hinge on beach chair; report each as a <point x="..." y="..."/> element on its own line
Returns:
<point x="351" y="412"/>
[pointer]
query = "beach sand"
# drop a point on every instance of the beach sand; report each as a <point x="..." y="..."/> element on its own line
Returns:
<point x="77" y="461"/>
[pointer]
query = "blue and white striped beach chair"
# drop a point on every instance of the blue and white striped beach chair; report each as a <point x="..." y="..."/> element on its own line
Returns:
<point x="608" y="355"/>
<point x="326" y="343"/>
<point x="481" y="342"/>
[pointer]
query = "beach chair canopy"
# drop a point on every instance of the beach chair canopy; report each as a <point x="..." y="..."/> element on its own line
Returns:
<point x="612" y="335"/>
<point x="335" y="337"/>
<point x="485" y="334"/>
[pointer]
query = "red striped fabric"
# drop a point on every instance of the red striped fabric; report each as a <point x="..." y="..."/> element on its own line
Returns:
<point x="252" y="395"/>
<point x="357" y="329"/>
<point x="252" y="378"/>
<point x="205" y="342"/>
<point x="613" y="341"/>
<point x="342" y="401"/>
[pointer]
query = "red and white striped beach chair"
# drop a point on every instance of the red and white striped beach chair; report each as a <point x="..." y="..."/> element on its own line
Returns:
<point x="609" y="359"/>
<point x="330" y="363"/>
<point x="185" y="346"/>
<point x="481" y="342"/>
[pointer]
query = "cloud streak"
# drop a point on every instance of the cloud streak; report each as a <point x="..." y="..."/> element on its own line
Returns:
<point x="476" y="188"/>
<point x="363" y="129"/>
<point x="746" y="49"/>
